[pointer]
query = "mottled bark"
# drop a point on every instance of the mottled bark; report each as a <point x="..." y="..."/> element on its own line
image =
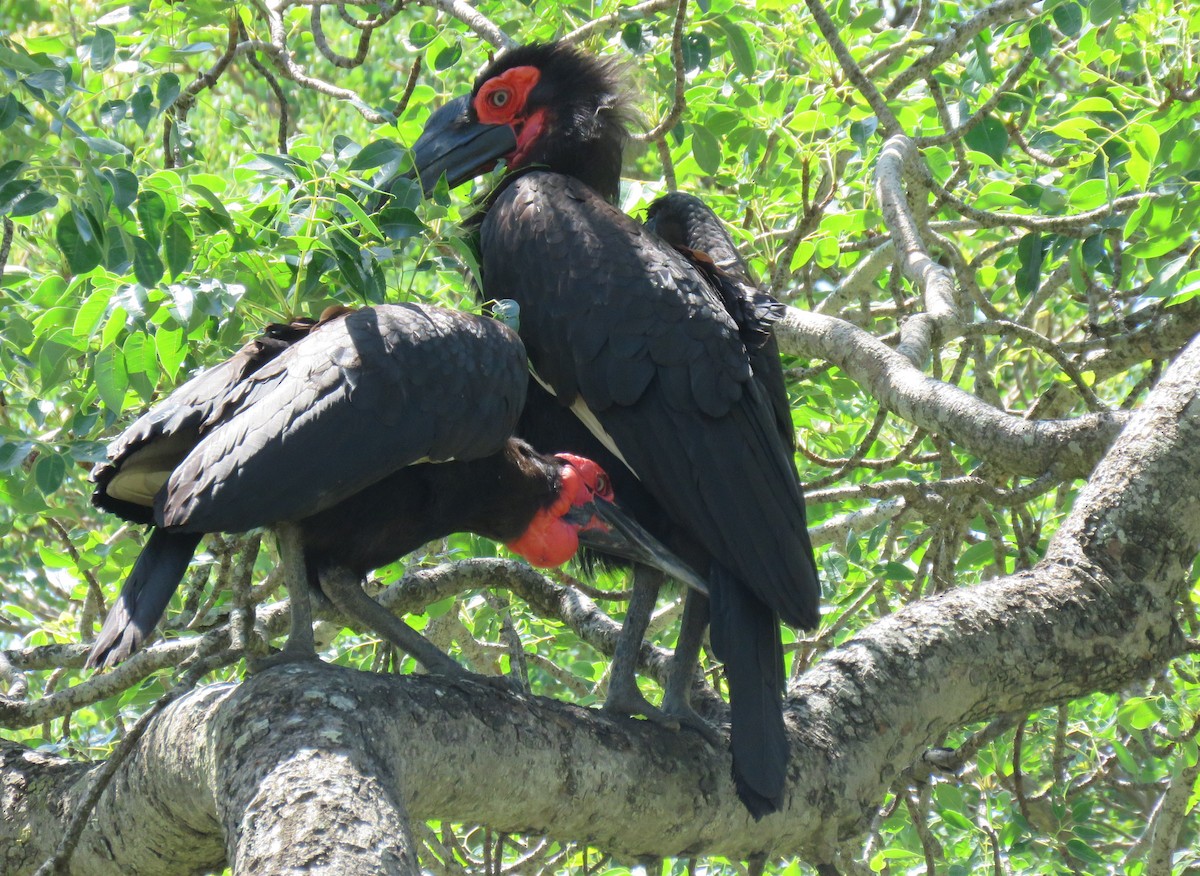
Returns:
<point x="1007" y="441"/>
<point x="304" y="766"/>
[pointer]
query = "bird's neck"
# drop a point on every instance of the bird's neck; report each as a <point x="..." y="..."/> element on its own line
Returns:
<point x="598" y="167"/>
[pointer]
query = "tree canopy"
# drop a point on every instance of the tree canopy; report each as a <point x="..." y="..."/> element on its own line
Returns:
<point x="983" y="218"/>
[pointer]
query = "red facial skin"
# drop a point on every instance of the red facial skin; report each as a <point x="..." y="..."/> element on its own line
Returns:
<point x="501" y="101"/>
<point x="551" y="541"/>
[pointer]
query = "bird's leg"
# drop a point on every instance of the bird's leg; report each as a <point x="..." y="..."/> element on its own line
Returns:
<point x="677" y="699"/>
<point x="624" y="698"/>
<point x="344" y="588"/>
<point x="300" y="644"/>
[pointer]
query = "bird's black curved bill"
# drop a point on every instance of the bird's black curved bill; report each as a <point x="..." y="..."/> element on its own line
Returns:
<point x="627" y="539"/>
<point x="455" y="145"/>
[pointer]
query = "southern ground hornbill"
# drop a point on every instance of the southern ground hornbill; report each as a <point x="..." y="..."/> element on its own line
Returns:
<point x="359" y="438"/>
<point x="669" y="367"/>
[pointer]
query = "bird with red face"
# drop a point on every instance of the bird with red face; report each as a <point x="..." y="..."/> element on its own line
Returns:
<point x="358" y="438"/>
<point x="648" y="362"/>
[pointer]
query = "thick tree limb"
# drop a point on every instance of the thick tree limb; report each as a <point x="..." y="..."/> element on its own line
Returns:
<point x="1095" y="614"/>
<point x="1017" y="445"/>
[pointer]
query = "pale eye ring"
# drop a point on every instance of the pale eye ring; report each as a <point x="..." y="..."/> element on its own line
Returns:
<point x="602" y="486"/>
<point x="499" y="97"/>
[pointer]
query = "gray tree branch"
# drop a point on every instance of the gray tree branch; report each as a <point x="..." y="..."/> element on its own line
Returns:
<point x="1015" y="444"/>
<point x="209" y="781"/>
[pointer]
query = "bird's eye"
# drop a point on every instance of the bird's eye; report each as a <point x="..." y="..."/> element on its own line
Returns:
<point x="499" y="97"/>
<point x="602" y="485"/>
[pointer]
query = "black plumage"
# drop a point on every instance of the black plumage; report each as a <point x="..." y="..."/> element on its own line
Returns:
<point x="665" y="358"/>
<point x="371" y="433"/>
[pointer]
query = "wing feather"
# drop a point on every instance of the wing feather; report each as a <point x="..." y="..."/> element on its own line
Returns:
<point x="613" y="315"/>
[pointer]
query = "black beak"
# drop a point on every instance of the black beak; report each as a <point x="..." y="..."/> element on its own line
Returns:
<point x="626" y="539"/>
<point x="455" y="145"/>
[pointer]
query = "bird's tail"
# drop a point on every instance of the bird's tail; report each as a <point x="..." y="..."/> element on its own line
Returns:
<point x="745" y="637"/>
<point x="155" y="576"/>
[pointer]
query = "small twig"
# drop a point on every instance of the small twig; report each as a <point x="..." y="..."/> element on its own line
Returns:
<point x="6" y="242"/>
<point x="986" y="107"/>
<point x="887" y="119"/>
<point x="960" y="34"/>
<point x="1047" y="346"/>
<point x="280" y="97"/>
<point x="679" y="101"/>
<point x="335" y="58"/>
<point x="476" y="21"/>
<point x="621" y="16"/>
<point x="519" y="668"/>
<point x="1071" y="225"/>
<point x="18" y="684"/>
<point x="668" y="166"/>
<point x="94" y="605"/>
<point x="409" y="87"/>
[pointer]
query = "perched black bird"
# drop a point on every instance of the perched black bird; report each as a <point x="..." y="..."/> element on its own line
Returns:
<point x="666" y="365"/>
<point x="359" y="438"/>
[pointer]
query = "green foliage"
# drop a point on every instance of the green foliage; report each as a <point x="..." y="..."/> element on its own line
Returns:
<point x="156" y="224"/>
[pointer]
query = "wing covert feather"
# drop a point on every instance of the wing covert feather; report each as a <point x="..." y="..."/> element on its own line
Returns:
<point x="367" y="395"/>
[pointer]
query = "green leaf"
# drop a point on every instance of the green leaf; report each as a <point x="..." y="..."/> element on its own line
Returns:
<point x="49" y="472"/>
<point x="1143" y="149"/>
<point x="1162" y="230"/>
<point x="113" y="112"/>
<point x="1069" y="18"/>
<point x="142" y="106"/>
<point x="82" y="255"/>
<point x="739" y="46"/>
<point x="956" y="819"/>
<point x="1100" y="11"/>
<point x="697" y="51"/>
<point x="1082" y="850"/>
<point x="1090" y="194"/>
<point x="1041" y="41"/>
<point x="980" y="554"/>
<point x="1032" y="252"/>
<point x="360" y="216"/>
<point x="861" y="132"/>
<point x="274" y="165"/>
<point x="707" y="150"/>
<point x="151" y="211"/>
<point x="10" y="108"/>
<point x="104" y="47"/>
<point x="177" y="244"/>
<point x="168" y="91"/>
<point x="51" y="80"/>
<point x="9" y="171"/>
<point x="125" y="187"/>
<point x="104" y="146"/>
<point x="168" y="344"/>
<point x="399" y="223"/>
<point x="111" y="379"/>
<point x="31" y="203"/>
<point x="988" y="137"/>
<point x="422" y="34"/>
<point x="377" y="153"/>
<point x="138" y="354"/>
<point x="631" y="36"/>
<point x="91" y="311"/>
<point x="447" y="57"/>
<point x="147" y="266"/>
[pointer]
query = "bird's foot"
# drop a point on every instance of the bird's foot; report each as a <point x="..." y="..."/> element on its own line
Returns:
<point x="685" y="716"/>
<point x="282" y="657"/>
<point x="628" y="702"/>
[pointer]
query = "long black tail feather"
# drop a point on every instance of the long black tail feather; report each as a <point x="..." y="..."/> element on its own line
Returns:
<point x="155" y="576"/>
<point x="745" y="636"/>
